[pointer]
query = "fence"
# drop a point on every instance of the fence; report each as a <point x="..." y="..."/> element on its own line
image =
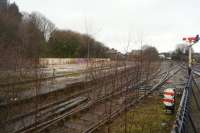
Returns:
<point x="184" y="120"/>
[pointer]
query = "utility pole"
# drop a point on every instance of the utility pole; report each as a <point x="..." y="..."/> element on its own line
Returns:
<point x="191" y="41"/>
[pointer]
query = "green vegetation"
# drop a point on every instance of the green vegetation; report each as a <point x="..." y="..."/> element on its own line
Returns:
<point x="148" y="117"/>
<point x="70" y="44"/>
<point x="70" y="74"/>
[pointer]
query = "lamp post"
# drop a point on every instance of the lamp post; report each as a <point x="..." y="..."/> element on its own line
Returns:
<point x="191" y="41"/>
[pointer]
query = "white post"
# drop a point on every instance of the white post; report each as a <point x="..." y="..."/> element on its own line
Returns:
<point x="190" y="56"/>
<point x="190" y="59"/>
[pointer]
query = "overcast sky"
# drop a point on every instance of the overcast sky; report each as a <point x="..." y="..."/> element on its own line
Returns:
<point x="160" y="23"/>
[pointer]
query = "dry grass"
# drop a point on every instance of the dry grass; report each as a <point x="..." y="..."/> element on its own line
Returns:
<point x="147" y="117"/>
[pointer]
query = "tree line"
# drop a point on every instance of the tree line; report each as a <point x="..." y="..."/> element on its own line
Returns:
<point x="33" y="35"/>
<point x="73" y="44"/>
<point x="180" y="53"/>
<point x="147" y="53"/>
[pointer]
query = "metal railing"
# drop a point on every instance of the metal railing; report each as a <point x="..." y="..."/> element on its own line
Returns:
<point x="184" y="120"/>
<point x="183" y="114"/>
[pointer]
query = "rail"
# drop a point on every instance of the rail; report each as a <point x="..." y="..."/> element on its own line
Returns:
<point x="97" y="125"/>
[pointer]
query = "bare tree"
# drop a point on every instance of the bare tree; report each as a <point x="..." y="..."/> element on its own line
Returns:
<point x="43" y="24"/>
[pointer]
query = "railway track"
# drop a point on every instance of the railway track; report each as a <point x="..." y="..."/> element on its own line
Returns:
<point x="19" y="117"/>
<point x="117" y="111"/>
<point x="46" y="124"/>
<point x="120" y="110"/>
<point x="21" y="96"/>
<point x="48" y="113"/>
<point x="69" y="92"/>
<point x="68" y="89"/>
<point x="51" y="77"/>
<point x="75" y="110"/>
<point x="14" y="92"/>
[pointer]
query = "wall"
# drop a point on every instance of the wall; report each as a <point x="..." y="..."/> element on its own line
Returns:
<point x="64" y="61"/>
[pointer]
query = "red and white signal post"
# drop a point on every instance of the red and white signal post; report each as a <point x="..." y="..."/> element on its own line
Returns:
<point x="191" y="41"/>
<point x="169" y="99"/>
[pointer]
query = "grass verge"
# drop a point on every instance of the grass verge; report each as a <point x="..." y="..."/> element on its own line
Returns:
<point x="147" y="117"/>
